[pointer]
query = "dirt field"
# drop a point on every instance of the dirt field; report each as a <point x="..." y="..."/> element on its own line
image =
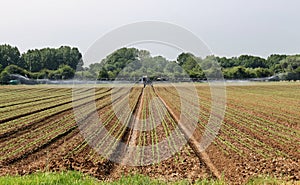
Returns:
<point x="260" y="133"/>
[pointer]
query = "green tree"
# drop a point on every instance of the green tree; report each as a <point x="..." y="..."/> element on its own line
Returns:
<point x="66" y="72"/>
<point x="4" y="77"/>
<point x="290" y="63"/>
<point x="191" y="65"/>
<point x="95" y="68"/>
<point x="69" y="56"/>
<point x="14" y="69"/>
<point x="119" y="59"/>
<point x="274" y="60"/>
<point x="252" y="61"/>
<point x="143" y="54"/>
<point x="103" y="74"/>
<point x="51" y="58"/>
<point x="10" y="56"/>
<point x="238" y="72"/>
<point x="48" y="59"/>
<point x="227" y="62"/>
<point x="262" y="72"/>
<point x="33" y="60"/>
<point x="170" y="67"/>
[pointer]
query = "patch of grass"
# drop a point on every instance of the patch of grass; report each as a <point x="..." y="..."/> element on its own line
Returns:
<point x="77" y="178"/>
<point x="266" y="180"/>
<point x="134" y="180"/>
<point x="47" y="178"/>
<point x="145" y="180"/>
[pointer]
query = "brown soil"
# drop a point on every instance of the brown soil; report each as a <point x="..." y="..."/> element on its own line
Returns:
<point x="58" y="153"/>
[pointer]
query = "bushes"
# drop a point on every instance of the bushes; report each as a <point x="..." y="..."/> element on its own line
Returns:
<point x="240" y="72"/>
<point x="4" y="77"/>
<point x="13" y="69"/>
<point x="62" y="73"/>
<point x="289" y="76"/>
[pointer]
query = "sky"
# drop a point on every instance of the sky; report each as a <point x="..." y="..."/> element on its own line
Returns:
<point x="228" y="27"/>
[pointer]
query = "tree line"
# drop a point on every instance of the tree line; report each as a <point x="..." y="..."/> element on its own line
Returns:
<point x="50" y="63"/>
<point x="134" y="63"/>
<point x="61" y="63"/>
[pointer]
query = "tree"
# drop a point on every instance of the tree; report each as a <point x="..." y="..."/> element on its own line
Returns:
<point x="119" y="59"/>
<point x="290" y="63"/>
<point x="10" y="70"/>
<point x="51" y="58"/>
<point x="183" y="57"/>
<point x="170" y="67"/>
<point x="227" y="62"/>
<point x="10" y="56"/>
<point x="262" y="72"/>
<point x="4" y="77"/>
<point x="252" y="61"/>
<point x="33" y="60"/>
<point x="191" y="65"/>
<point x="273" y="60"/>
<point x="103" y="74"/>
<point x="159" y="64"/>
<point x="238" y="72"/>
<point x="14" y="69"/>
<point x="69" y="56"/>
<point x="66" y="72"/>
<point x="94" y="69"/>
<point x="143" y="54"/>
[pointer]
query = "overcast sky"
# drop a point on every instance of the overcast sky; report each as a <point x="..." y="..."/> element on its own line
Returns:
<point x="228" y="27"/>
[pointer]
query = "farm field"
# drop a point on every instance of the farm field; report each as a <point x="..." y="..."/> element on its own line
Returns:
<point x="260" y="133"/>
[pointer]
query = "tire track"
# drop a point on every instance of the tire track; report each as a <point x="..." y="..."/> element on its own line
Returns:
<point x="202" y="155"/>
<point x="134" y="132"/>
<point x="130" y="136"/>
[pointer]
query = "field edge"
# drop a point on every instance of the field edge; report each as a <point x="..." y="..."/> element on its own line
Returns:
<point x="78" y="178"/>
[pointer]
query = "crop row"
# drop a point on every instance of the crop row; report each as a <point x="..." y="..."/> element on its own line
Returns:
<point x="233" y="133"/>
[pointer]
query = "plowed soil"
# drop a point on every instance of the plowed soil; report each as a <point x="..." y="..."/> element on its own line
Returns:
<point x="253" y="140"/>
